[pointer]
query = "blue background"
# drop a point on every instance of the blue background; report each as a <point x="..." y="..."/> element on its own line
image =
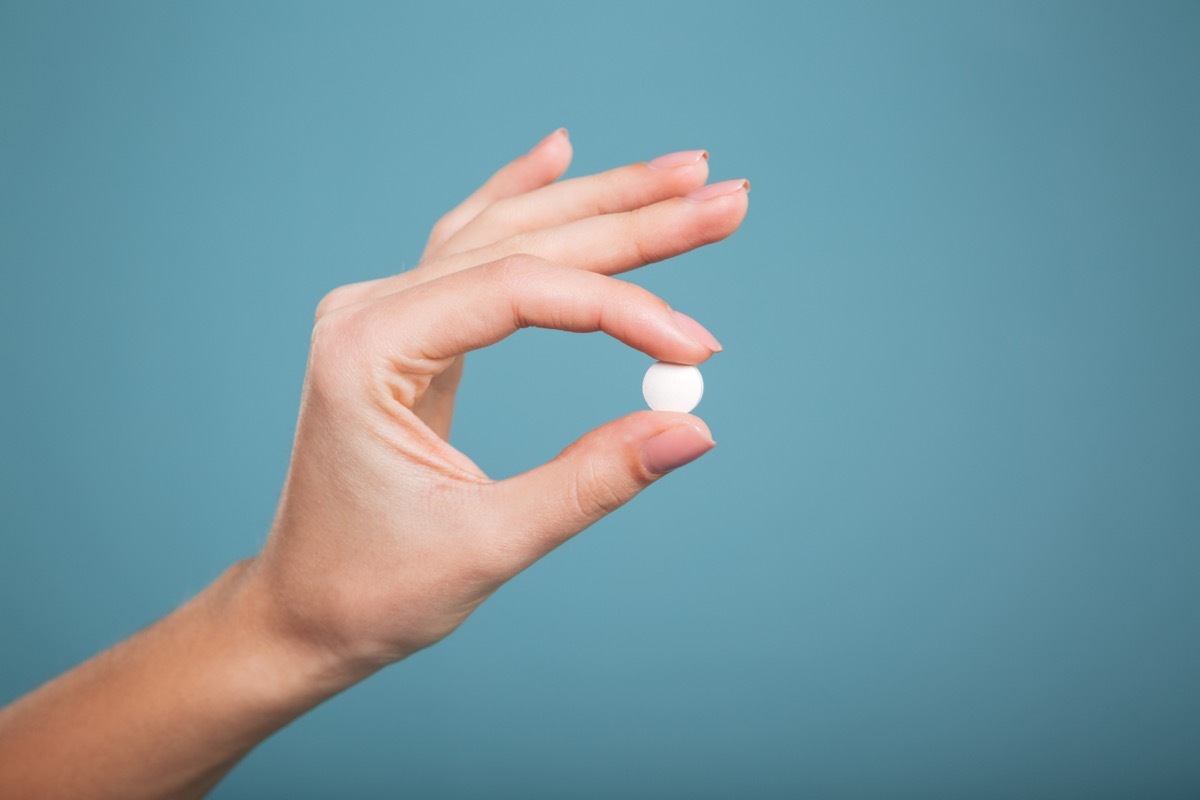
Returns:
<point x="949" y="542"/>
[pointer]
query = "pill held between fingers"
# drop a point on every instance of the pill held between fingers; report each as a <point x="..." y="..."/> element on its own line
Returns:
<point x="672" y="387"/>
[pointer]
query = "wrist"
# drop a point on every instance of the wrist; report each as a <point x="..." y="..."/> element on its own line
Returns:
<point x="286" y="673"/>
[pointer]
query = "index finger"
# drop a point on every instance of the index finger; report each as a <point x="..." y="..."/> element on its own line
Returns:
<point x="474" y="308"/>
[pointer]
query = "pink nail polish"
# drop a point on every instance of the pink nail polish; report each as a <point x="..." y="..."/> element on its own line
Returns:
<point x="684" y="158"/>
<point x="696" y="331"/>
<point x="672" y="449"/>
<point x="718" y="190"/>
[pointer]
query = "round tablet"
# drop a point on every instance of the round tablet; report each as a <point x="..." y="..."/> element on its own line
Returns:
<point x="672" y="387"/>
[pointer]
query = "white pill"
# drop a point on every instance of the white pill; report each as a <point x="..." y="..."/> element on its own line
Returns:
<point x="672" y="387"/>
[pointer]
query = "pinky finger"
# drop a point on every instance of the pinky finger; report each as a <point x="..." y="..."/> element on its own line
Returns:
<point x="541" y="166"/>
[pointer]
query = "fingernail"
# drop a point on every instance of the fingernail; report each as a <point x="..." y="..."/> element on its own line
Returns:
<point x="684" y="158"/>
<point x="558" y="132"/>
<point x="696" y="331"/>
<point x="718" y="190"/>
<point x="674" y="448"/>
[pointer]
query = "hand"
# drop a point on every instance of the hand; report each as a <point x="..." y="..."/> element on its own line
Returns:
<point x="386" y="536"/>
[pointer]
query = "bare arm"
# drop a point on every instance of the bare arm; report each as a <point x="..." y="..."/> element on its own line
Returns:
<point x="169" y="711"/>
<point x="387" y="537"/>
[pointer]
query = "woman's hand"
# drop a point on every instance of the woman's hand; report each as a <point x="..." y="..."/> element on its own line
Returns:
<point x="607" y="223"/>
<point x="387" y="537"/>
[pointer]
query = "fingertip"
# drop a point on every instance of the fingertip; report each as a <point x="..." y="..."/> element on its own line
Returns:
<point x="713" y="191"/>
<point x="675" y="174"/>
<point x="720" y="216"/>
<point x="682" y="158"/>
<point x="556" y="148"/>
<point x="697" y="332"/>
<point x="678" y="445"/>
<point x="545" y="163"/>
<point x="702" y="425"/>
<point x="557" y="133"/>
<point x="696" y="422"/>
<point x="647" y="424"/>
<point x="656" y="441"/>
<point x="684" y="345"/>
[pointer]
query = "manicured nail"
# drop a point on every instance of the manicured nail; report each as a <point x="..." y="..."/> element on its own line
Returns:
<point x="718" y="190"/>
<point x="684" y="158"/>
<point x="674" y="448"/>
<point x="696" y="331"/>
<point x="559" y="132"/>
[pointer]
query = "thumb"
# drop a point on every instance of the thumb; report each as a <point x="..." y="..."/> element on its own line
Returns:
<point x="593" y="477"/>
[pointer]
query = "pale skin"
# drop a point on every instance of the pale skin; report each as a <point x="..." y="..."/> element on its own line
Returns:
<point x="387" y="537"/>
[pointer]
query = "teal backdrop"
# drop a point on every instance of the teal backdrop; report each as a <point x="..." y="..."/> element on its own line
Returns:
<point x="949" y="542"/>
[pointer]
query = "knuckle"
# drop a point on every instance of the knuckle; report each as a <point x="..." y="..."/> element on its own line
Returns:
<point x="517" y="270"/>
<point x="336" y="341"/>
<point x="334" y="299"/>
<point x="640" y="234"/>
<point x="326" y="333"/>
<point x="596" y="495"/>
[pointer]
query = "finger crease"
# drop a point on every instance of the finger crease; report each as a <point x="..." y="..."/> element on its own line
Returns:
<point x="637" y="237"/>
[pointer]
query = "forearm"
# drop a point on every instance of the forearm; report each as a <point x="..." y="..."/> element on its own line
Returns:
<point x="168" y="712"/>
<point x="387" y="537"/>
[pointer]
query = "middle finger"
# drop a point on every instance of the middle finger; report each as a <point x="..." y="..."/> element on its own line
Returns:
<point x="616" y="190"/>
<point x="607" y="244"/>
<point x="613" y="243"/>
